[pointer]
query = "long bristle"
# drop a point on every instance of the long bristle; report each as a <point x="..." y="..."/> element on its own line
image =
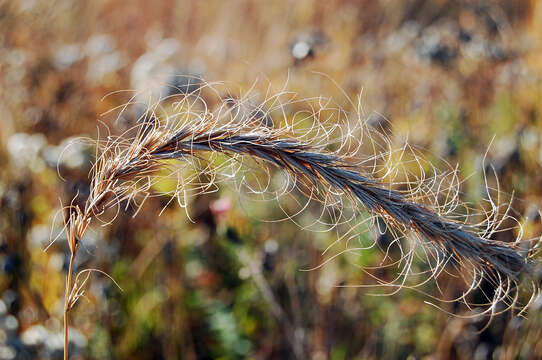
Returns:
<point x="126" y="168"/>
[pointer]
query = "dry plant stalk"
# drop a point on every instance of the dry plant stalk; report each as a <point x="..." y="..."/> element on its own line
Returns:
<point x="183" y="135"/>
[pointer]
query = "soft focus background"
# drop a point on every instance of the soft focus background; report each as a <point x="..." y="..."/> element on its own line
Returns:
<point x="449" y="74"/>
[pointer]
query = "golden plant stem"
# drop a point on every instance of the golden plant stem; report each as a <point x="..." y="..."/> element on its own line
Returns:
<point x="67" y="303"/>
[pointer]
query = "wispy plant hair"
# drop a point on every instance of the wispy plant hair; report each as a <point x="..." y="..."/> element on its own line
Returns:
<point x="311" y="151"/>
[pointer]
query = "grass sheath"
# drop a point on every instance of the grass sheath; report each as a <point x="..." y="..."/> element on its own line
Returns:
<point x="125" y="167"/>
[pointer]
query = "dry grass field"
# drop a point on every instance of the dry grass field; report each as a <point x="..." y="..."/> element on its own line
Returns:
<point x="439" y="99"/>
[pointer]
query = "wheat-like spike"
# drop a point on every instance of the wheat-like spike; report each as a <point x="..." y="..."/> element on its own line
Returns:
<point x="187" y="132"/>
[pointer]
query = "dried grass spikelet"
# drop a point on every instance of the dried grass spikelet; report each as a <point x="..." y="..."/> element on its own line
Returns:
<point x="322" y="150"/>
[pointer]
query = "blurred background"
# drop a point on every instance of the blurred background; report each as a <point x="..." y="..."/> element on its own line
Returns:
<point x="449" y="74"/>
